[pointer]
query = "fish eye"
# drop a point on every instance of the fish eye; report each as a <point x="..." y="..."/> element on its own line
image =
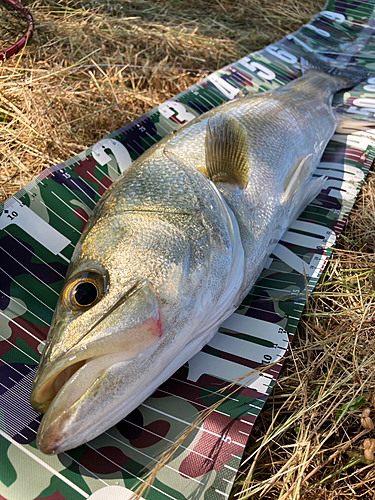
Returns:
<point x="83" y="290"/>
<point x="85" y="293"/>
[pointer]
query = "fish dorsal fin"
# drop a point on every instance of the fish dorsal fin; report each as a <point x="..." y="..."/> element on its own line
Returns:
<point x="227" y="151"/>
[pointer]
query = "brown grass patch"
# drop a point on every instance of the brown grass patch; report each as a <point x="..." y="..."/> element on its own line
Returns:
<point x="94" y="66"/>
<point x="308" y="441"/>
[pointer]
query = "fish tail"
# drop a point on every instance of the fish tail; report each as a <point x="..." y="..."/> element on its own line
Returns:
<point x="345" y="76"/>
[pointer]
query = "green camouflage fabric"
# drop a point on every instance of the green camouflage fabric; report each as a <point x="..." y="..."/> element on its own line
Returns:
<point x="41" y="224"/>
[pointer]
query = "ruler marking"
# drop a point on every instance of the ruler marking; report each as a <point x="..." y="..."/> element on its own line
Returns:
<point x="265" y="287"/>
<point x="222" y="493"/>
<point x="73" y="193"/>
<point x="139" y="478"/>
<point x="164" y="129"/>
<point x="30" y="251"/>
<point x="22" y="328"/>
<point x="12" y="367"/>
<point x="107" y="175"/>
<point x="227" y="480"/>
<point x="278" y="280"/>
<point x="151" y="137"/>
<point x="99" y="182"/>
<point x="26" y="290"/>
<point x="216" y="101"/>
<point x="190" y="401"/>
<point x="43" y="464"/>
<point x="140" y="147"/>
<point x="246" y="422"/>
<point x="20" y="413"/>
<point x="30" y="272"/>
<point x="188" y="424"/>
<point x="210" y="103"/>
<point x="195" y="385"/>
<point x="66" y="204"/>
<point x="63" y="220"/>
<point x="80" y="189"/>
<point x="147" y="456"/>
<point x="14" y="430"/>
<point x="168" y="440"/>
<point x="27" y="310"/>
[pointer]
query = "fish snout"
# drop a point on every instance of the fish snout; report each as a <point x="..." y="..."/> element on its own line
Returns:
<point x="49" y="442"/>
<point x="130" y="326"/>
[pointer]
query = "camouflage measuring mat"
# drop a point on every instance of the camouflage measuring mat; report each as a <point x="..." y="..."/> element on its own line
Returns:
<point x="41" y="224"/>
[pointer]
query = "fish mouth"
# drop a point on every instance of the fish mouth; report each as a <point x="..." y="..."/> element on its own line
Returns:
<point x="56" y="383"/>
<point x="52" y="376"/>
<point x="53" y="379"/>
<point x="67" y="390"/>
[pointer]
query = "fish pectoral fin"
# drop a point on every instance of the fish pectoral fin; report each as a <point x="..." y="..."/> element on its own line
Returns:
<point x="226" y="148"/>
<point x="300" y="188"/>
<point x="297" y="175"/>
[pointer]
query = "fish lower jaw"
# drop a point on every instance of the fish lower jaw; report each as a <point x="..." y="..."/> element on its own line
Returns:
<point x="50" y="446"/>
<point x="81" y="374"/>
<point x="55" y="437"/>
<point x="63" y="377"/>
<point x="148" y="386"/>
<point x="42" y="397"/>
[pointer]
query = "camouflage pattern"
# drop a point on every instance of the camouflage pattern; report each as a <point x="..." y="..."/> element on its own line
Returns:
<point x="41" y="224"/>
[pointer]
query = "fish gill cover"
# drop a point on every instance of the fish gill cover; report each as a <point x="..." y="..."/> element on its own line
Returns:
<point x="41" y="224"/>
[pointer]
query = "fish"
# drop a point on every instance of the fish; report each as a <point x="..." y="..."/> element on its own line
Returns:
<point x="173" y="247"/>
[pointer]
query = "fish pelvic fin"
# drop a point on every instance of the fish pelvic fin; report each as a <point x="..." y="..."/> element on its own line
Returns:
<point x="309" y="191"/>
<point x="226" y="149"/>
<point x="298" y="173"/>
<point x="300" y="188"/>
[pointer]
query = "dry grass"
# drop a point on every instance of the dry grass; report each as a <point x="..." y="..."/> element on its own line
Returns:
<point x="80" y="79"/>
<point x="309" y="440"/>
<point x="84" y="76"/>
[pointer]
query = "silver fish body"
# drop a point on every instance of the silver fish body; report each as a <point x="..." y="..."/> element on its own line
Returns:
<point x="168" y="254"/>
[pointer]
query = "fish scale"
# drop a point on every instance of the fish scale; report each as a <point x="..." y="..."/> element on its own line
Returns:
<point x="264" y="68"/>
